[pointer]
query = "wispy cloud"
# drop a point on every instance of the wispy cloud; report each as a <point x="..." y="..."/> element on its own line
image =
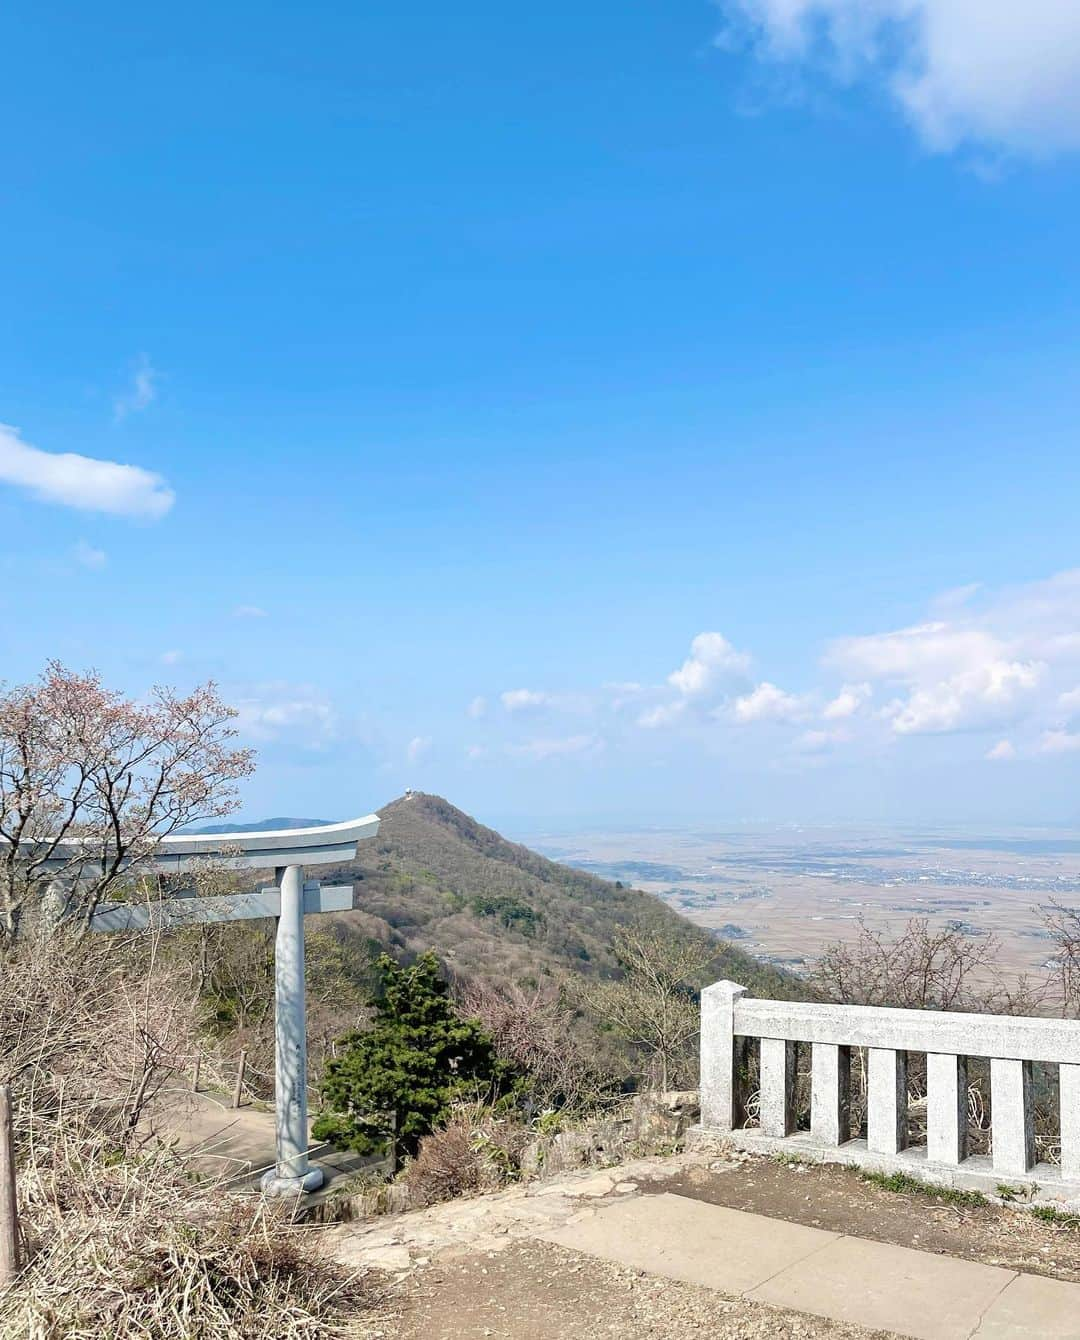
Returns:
<point x="417" y="748"/>
<point x="87" y="556"/>
<point x="1060" y="742"/>
<point x="525" y="700"/>
<point x="249" y="612"/>
<point x="663" y="714"/>
<point x="141" y="393"/>
<point x="82" y="482"/>
<point x="297" y="714"/>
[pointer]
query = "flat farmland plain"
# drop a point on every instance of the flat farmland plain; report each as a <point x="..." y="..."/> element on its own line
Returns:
<point x="785" y="893"/>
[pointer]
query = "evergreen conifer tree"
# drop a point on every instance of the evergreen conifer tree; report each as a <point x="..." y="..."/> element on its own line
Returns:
<point x="394" y="1082"/>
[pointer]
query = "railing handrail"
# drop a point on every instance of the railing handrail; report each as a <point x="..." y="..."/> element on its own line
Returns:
<point x="1014" y="1037"/>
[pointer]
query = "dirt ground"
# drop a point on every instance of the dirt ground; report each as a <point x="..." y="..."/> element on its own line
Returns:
<point x="472" y="1282"/>
<point x="534" y="1291"/>
<point x="839" y="1200"/>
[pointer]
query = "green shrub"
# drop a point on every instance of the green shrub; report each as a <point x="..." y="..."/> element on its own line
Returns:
<point x="511" y="912"/>
<point x="393" y="1083"/>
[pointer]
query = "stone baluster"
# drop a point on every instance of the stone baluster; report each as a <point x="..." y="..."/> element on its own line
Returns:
<point x="722" y="1057"/>
<point x="1069" y="1098"/>
<point x="777" y="1086"/>
<point x="830" y="1093"/>
<point x="886" y="1096"/>
<point x="946" y="1108"/>
<point x="1011" y="1116"/>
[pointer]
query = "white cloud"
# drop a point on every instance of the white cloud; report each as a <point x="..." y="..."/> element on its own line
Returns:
<point x="990" y="73"/>
<point x="970" y="700"/>
<point x="297" y="714"/>
<point x="141" y="393"/>
<point x="474" y="752"/>
<point x="570" y="746"/>
<point x="171" y="657"/>
<point x="1006" y="664"/>
<point x="712" y="662"/>
<point x="948" y="602"/>
<point x="477" y="708"/>
<point x="249" y="612"/>
<point x="1059" y="742"/>
<point x="81" y="481"/>
<point x="525" y="700"/>
<point x="958" y="677"/>
<point x="88" y="557"/>
<point x="418" y="746"/>
<point x="624" y="695"/>
<point x="1001" y="752"/>
<point x="924" y="649"/>
<point x="768" y="703"/>
<point x="847" y="702"/>
<point x="818" y="741"/>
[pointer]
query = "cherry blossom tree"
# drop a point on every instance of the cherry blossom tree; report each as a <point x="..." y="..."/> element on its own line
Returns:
<point x="91" y="781"/>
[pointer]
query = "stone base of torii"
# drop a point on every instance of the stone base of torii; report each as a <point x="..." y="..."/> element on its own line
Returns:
<point x="289" y="900"/>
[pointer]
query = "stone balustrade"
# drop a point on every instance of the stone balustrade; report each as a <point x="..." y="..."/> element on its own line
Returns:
<point x="731" y="1019"/>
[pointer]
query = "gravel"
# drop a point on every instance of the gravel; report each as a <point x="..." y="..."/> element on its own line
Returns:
<point x="536" y="1291"/>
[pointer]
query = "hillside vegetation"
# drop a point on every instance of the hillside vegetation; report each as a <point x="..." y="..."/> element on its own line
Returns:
<point x="492" y="909"/>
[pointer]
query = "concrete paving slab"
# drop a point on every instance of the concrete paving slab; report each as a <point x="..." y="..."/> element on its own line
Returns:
<point x="1033" y="1306"/>
<point x="692" y="1241"/>
<point x="889" y="1288"/>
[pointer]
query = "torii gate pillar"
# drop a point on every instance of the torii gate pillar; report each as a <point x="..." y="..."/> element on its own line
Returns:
<point x="287" y="851"/>
<point x="293" y="1172"/>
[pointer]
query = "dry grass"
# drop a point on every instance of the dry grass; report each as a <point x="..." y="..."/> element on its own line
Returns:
<point x="120" y="1238"/>
<point x="123" y="1246"/>
<point x="473" y="1152"/>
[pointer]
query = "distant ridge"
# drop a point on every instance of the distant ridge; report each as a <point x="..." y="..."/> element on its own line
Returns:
<point x="263" y="825"/>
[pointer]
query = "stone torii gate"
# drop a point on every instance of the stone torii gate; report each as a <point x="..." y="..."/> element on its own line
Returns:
<point x="289" y="899"/>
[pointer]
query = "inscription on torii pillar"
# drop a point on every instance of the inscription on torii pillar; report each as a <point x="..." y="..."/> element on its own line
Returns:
<point x="286" y="851"/>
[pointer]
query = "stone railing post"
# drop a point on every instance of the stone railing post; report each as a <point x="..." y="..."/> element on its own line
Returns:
<point x="777" y="1086"/>
<point x="1012" y="1125"/>
<point x="946" y="1108"/>
<point x="886" y="1101"/>
<point x="830" y="1093"/>
<point x="1069" y="1100"/>
<point x="721" y="1057"/>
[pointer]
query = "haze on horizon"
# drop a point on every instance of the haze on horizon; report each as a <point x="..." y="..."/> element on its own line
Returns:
<point x="665" y="416"/>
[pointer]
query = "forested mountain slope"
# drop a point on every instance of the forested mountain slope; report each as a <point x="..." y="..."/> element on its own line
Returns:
<point x="434" y="878"/>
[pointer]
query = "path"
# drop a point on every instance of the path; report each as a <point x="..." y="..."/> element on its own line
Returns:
<point x="847" y="1279"/>
<point x="236" y="1142"/>
<point x="477" y="1267"/>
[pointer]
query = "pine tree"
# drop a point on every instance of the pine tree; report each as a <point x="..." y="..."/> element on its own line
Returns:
<point x="394" y="1082"/>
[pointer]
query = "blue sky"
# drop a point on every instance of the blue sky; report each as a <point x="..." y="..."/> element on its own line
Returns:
<point x="433" y="378"/>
